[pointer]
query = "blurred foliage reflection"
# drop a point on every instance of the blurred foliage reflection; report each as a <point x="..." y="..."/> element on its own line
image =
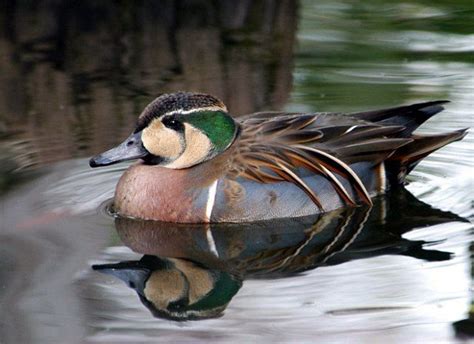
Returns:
<point x="75" y="74"/>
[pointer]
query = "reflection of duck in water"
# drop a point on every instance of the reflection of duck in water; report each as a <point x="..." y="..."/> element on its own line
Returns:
<point x="199" y="165"/>
<point x="192" y="271"/>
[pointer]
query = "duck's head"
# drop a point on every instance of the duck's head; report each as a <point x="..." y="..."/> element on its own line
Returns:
<point x="177" y="131"/>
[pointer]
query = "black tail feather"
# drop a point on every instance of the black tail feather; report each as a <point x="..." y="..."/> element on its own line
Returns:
<point x="410" y="116"/>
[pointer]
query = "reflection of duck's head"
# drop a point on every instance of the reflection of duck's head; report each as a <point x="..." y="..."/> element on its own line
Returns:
<point x="176" y="289"/>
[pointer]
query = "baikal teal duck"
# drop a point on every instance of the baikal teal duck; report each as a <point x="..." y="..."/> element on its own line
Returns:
<point x="199" y="165"/>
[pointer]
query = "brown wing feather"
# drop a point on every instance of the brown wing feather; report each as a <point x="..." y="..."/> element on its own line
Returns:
<point x="272" y="149"/>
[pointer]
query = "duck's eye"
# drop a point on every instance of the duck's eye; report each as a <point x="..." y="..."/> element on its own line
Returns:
<point x="172" y="123"/>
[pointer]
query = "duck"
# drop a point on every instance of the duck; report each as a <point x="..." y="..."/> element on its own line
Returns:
<point x="198" y="164"/>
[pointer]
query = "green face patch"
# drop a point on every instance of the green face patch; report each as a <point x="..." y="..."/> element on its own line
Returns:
<point x="217" y="125"/>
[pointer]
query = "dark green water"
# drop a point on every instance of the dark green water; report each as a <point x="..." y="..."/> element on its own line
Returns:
<point x="73" y="78"/>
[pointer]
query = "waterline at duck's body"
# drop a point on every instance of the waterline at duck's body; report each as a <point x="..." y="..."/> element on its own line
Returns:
<point x="153" y="193"/>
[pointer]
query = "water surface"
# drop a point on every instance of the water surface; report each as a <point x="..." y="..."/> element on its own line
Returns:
<point x="75" y="76"/>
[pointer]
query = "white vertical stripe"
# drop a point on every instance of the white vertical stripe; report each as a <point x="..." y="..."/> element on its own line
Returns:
<point x="211" y="242"/>
<point x="382" y="178"/>
<point x="211" y="198"/>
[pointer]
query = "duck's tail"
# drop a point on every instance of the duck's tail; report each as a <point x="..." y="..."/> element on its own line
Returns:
<point x="405" y="158"/>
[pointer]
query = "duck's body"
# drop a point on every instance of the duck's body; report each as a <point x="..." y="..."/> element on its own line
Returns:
<point x="206" y="193"/>
<point x="200" y="166"/>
